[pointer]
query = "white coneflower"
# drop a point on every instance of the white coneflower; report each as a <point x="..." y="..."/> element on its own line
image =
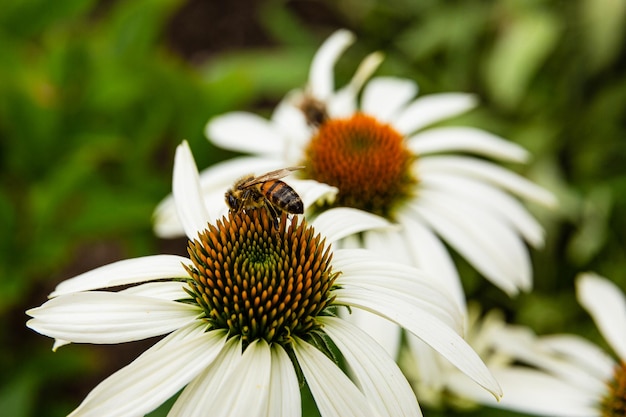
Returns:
<point x="383" y="159"/>
<point x="565" y="375"/>
<point x="251" y="309"/>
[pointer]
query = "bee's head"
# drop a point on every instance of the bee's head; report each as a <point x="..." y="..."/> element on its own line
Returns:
<point x="233" y="202"/>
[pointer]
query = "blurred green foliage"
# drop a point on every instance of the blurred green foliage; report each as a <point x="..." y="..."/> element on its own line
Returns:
<point x="94" y="97"/>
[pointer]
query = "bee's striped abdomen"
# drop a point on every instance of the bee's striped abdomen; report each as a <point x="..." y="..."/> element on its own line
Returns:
<point x="282" y="196"/>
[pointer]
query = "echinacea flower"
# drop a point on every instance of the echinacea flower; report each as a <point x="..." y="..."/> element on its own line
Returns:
<point x="385" y="158"/>
<point x="566" y="375"/>
<point x="253" y="307"/>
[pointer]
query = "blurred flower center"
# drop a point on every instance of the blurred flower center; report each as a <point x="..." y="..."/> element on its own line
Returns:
<point x="259" y="281"/>
<point x="614" y="403"/>
<point x="365" y="159"/>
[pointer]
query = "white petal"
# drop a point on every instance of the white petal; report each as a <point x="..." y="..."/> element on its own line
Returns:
<point x="170" y="290"/>
<point x="489" y="243"/>
<point x="337" y="223"/>
<point x="432" y="257"/>
<point x="427" y="327"/>
<point x="289" y="119"/>
<point x="108" y="317"/>
<point x="388" y="243"/>
<point x="489" y="172"/>
<point x="466" y="139"/>
<point x="533" y="392"/>
<point x="384" y="97"/>
<point x="165" y="219"/>
<point x="384" y="332"/>
<point x="377" y="374"/>
<point x="245" y="132"/>
<point x="311" y="191"/>
<point x="284" y="397"/>
<point x="360" y="270"/>
<point x="245" y="391"/>
<point x="153" y="377"/>
<point x="190" y="207"/>
<point x="474" y="244"/>
<point x="490" y="198"/>
<point x="432" y="108"/>
<point x="606" y="304"/>
<point x="128" y="271"/>
<point x="344" y="102"/>
<point x="523" y="345"/>
<point x="199" y="395"/>
<point x="321" y="77"/>
<point x="590" y="358"/>
<point x="334" y="393"/>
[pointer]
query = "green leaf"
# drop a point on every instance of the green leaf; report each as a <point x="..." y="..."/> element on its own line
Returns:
<point x="520" y="50"/>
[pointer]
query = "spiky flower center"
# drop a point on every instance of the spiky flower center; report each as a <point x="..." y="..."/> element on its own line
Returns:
<point x="365" y="159"/>
<point x="259" y="279"/>
<point x="614" y="402"/>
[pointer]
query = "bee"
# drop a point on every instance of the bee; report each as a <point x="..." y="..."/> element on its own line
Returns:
<point x="314" y="110"/>
<point x="265" y="191"/>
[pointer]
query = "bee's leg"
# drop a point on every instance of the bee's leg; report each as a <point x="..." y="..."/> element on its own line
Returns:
<point x="274" y="215"/>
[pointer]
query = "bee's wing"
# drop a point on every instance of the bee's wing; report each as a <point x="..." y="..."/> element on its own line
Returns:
<point x="272" y="175"/>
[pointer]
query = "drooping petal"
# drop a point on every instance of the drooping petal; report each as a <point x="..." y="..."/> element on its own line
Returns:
<point x="245" y="132"/>
<point x="489" y="243"/>
<point x="321" y="75"/>
<point x="427" y="327"/>
<point x="590" y="358"/>
<point x="199" y="395"/>
<point x="334" y="393"/>
<point x="190" y="207"/>
<point x="384" y="97"/>
<point x="530" y="391"/>
<point x="361" y="270"/>
<point x="245" y="390"/>
<point x="606" y="304"/>
<point x="430" y="109"/>
<point x="108" y="317"/>
<point x="489" y="172"/>
<point x="337" y="223"/>
<point x="466" y="139"/>
<point x="388" y="243"/>
<point x="464" y="243"/>
<point x="154" y="376"/>
<point x="377" y="374"/>
<point x="490" y="199"/>
<point x="284" y="395"/>
<point x="432" y="257"/>
<point x="128" y="271"/>
<point x="167" y="290"/>
<point x="431" y="370"/>
<point x="386" y="333"/>
<point x="523" y="345"/>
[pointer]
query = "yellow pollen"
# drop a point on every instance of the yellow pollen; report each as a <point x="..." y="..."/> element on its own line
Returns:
<point x="365" y="159"/>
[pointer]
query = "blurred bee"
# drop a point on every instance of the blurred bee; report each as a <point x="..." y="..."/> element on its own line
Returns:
<point x="265" y="191"/>
<point x="314" y="110"/>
